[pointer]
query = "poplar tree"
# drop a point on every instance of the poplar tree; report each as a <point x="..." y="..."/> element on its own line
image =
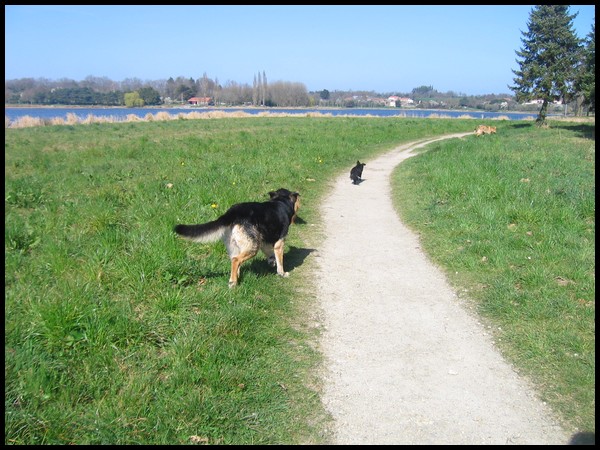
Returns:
<point x="264" y="88"/>
<point x="548" y="59"/>
<point x="254" y="92"/>
<point x="260" y="96"/>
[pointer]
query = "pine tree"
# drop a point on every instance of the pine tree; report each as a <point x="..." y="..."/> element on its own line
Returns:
<point x="586" y="77"/>
<point x="549" y="58"/>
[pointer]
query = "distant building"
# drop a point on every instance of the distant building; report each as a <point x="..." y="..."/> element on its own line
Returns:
<point x="534" y="102"/>
<point x="200" y="101"/>
<point x="539" y="101"/>
<point x="393" y="101"/>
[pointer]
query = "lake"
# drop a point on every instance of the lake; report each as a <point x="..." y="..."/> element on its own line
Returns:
<point x="122" y="113"/>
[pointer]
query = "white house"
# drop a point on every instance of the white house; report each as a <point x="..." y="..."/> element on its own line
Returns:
<point x="394" y="100"/>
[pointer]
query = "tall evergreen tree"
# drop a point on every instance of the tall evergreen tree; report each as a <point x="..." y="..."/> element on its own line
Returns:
<point x="586" y="78"/>
<point x="549" y="58"/>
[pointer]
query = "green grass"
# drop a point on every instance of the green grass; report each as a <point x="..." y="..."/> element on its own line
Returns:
<point x="511" y="219"/>
<point x="117" y="332"/>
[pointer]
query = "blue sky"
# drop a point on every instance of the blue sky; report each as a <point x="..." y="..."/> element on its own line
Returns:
<point x="381" y="48"/>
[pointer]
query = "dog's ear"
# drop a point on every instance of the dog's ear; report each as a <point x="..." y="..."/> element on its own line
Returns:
<point x="295" y="197"/>
<point x="357" y="162"/>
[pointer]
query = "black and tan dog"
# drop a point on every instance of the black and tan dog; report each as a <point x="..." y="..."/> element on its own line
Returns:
<point x="249" y="227"/>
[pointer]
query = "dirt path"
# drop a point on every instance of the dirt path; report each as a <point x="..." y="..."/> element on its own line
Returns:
<point x="406" y="362"/>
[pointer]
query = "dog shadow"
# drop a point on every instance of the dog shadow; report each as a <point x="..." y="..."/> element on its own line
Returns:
<point x="359" y="181"/>
<point x="295" y="257"/>
<point x="299" y="221"/>
<point x="292" y="259"/>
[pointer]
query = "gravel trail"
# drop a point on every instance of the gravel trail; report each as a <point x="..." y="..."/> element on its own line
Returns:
<point x="406" y="362"/>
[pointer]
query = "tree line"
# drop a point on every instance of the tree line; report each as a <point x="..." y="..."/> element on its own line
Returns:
<point x="101" y="91"/>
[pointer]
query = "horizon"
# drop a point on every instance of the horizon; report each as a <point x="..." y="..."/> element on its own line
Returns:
<point x="338" y="48"/>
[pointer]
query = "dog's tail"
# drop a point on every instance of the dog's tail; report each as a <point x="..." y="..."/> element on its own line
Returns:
<point x="203" y="232"/>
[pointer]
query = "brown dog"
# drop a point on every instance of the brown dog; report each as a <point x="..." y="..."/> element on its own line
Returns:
<point x="484" y="129"/>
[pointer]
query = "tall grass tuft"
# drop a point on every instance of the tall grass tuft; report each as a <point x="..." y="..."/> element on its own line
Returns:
<point x="73" y="119"/>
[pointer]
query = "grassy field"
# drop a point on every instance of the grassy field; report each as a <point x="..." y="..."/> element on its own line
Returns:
<point x="512" y="222"/>
<point x="117" y="332"/>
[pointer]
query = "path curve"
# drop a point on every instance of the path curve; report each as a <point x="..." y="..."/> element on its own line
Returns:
<point x="406" y="363"/>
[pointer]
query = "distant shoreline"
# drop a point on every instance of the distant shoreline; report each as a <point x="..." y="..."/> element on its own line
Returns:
<point x="270" y="108"/>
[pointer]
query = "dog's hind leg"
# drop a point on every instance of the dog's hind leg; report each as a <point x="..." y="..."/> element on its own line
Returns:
<point x="278" y="250"/>
<point x="236" y="262"/>
<point x="241" y="246"/>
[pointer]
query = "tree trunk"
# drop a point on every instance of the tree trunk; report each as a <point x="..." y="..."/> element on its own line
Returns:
<point x="541" y="118"/>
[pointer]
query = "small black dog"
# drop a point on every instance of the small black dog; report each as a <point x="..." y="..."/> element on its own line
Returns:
<point x="356" y="172"/>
